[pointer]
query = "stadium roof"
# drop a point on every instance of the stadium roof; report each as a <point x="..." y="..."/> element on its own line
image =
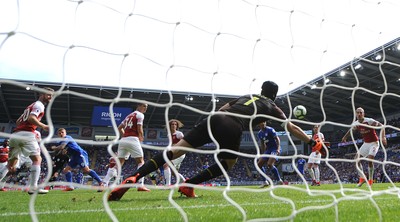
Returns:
<point x="375" y="86"/>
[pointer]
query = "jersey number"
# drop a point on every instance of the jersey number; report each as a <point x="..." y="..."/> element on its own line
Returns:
<point x="25" y="115"/>
<point x="250" y="101"/>
<point x="129" y="123"/>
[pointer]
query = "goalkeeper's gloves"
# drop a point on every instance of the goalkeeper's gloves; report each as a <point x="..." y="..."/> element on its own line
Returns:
<point x="316" y="145"/>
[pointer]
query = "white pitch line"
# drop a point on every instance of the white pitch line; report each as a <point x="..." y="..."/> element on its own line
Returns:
<point x="10" y="214"/>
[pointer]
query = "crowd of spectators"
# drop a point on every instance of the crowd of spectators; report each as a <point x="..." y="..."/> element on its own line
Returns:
<point x="340" y="164"/>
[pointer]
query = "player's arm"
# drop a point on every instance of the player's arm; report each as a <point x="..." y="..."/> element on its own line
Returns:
<point x="262" y="142"/>
<point x="140" y="132"/>
<point x="299" y="133"/>
<point x="383" y="133"/>
<point x="227" y="105"/>
<point x="263" y="147"/>
<point x="59" y="147"/>
<point x="34" y="120"/>
<point x="121" y="128"/>
<point x="344" y="139"/>
<point x="278" y="144"/>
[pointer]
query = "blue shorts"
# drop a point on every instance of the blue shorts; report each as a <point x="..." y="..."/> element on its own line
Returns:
<point x="79" y="161"/>
<point x="271" y="152"/>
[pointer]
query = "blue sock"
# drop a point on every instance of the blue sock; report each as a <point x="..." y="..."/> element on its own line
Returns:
<point x="79" y="177"/>
<point x="276" y="173"/>
<point x="94" y="176"/>
<point x="68" y="177"/>
<point x="263" y="169"/>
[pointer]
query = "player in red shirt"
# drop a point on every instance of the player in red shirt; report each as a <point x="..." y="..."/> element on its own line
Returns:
<point x="131" y="131"/>
<point x="370" y="146"/>
<point x="26" y="126"/>
<point x="4" y="150"/>
<point x="315" y="158"/>
<point x="111" y="172"/>
<point x="176" y="136"/>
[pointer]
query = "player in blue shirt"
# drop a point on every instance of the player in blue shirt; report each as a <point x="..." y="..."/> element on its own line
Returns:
<point x="78" y="157"/>
<point x="300" y="166"/>
<point x="269" y="144"/>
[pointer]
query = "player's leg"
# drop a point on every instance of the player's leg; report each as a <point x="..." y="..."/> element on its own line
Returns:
<point x="371" y="170"/>
<point x="363" y="151"/>
<point x="95" y="176"/>
<point x="310" y="169"/>
<point x="317" y="173"/>
<point x="177" y="163"/>
<point x="140" y="162"/>
<point x="35" y="174"/>
<point x="68" y="175"/>
<point x="92" y="173"/>
<point x="107" y="178"/>
<point x="211" y="172"/>
<point x="149" y="166"/>
<point x="3" y="170"/>
<point x="274" y="170"/>
<point x="3" y="173"/>
<point x="15" y="152"/>
<point x="317" y="169"/>
<point x="373" y="150"/>
<point x="136" y="151"/>
<point x="260" y="164"/>
<point x="167" y="174"/>
<point x="227" y="132"/>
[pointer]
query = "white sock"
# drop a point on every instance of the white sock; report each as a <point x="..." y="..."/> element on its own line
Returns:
<point x="360" y="172"/>
<point x="371" y="173"/>
<point x="167" y="175"/>
<point x="311" y="172"/>
<point x="4" y="173"/>
<point x="182" y="178"/>
<point x="316" y="171"/>
<point x="106" y="179"/>
<point x="34" y="176"/>
<point x="141" y="180"/>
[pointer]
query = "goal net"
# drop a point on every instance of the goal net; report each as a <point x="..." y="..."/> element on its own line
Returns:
<point x="318" y="52"/>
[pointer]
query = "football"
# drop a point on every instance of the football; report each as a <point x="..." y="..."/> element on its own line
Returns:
<point x="300" y="112"/>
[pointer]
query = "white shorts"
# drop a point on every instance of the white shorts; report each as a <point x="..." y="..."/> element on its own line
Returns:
<point x="129" y="146"/>
<point x="27" y="146"/>
<point x="315" y="158"/>
<point x="369" y="149"/>
<point x="178" y="161"/>
<point x="23" y="160"/>
<point x="112" y="172"/>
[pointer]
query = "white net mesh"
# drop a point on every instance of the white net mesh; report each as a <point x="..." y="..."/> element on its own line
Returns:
<point x="227" y="47"/>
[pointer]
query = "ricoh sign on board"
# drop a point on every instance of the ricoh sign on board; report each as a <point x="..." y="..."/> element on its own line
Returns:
<point x="101" y="115"/>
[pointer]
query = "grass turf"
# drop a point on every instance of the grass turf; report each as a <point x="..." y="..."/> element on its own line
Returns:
<point x="284" y="203"/>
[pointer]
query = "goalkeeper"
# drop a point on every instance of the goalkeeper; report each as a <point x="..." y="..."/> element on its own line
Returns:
<point x="227" y="131"/>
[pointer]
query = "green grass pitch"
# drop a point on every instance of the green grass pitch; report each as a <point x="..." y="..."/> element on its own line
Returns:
<point x="284" y="203"/>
